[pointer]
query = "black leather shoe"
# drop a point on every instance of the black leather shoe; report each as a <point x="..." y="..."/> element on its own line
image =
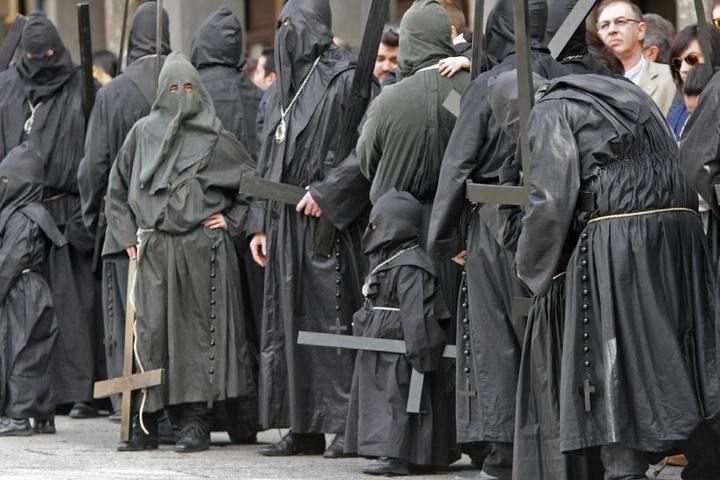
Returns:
<point x="11" y="427"/>
<point x="388" y="466"/>
<point x="139" y="440"/>
<point x="44" y="425"/>
<point x="295" y="444"/>
<point x="83" y="410"/>
<point x="192" y="439"/>
<point x="337" y="448"/>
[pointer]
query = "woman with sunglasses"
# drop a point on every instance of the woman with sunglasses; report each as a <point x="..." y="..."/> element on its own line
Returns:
<point x="685" y="53"/>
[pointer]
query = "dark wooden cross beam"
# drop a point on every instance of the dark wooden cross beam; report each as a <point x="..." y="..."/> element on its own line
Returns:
<point x="711" y="56"/>
<point x="86" y="57"/>
<point x="478" y="43"/>
<point x="588" y="390"/>
<point x="129" y="382"/>
<point x="372" y="344"/>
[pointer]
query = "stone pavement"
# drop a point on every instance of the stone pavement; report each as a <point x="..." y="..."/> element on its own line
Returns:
<point x="84" y="450"/>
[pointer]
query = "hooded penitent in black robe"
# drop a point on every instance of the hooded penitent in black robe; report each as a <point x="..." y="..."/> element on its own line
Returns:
<point x="536" y="452"/>
<point x="486" y="328"/>
<point x="177" y="167"/>
<point x="54" y="86"/>
<point x="217" y="53"/>
<point x="28" y="329"/>
<point x="407" y="128"/>
<point x="118" y="105"/>
<point x="308" y="388"/>
<point x="640" y="289"/>
<point x="403" y="301"/>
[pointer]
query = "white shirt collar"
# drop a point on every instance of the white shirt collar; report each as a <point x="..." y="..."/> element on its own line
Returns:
<point x="459" y="39"/>
<point x="633" y="74"/>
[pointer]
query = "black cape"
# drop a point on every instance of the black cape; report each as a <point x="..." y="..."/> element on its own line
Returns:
<point x="58" y="134"/>
<point x="640" y="291"/>
<point x="403" y="302"/>
<point x="118" y="105"/>
<point x="476" y="151"/>
<point x="28" y="327"/>
<point x="308" y="388"/>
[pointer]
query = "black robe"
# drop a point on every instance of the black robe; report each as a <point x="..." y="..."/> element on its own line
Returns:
<point x="28" y="327"/>
<point x="58" y="133"/>
<point x="217" y="53"/>
<point x="640" y="291"/>
<point x="406" y="304"/>
<point x="308" y="388"/>
<point x="118" y="105"/>
<point x="189" y="309"/>
<point x="476" y="151"/>
<point x="403" y="301"/>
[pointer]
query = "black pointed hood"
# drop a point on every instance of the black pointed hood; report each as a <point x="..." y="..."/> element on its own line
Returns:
<point x="503" y="95"/>
<point x="558" y="10"/>
<point x="142" y="38"/>
<point x="218" y="41"/>
<point x="395" y="221"/>
<point x="424" y="37"/>
<point x="43" y="75"/>
<point x="306" y="36"/>
<point x="21" y="189"/>
<point x="500" y="32"/>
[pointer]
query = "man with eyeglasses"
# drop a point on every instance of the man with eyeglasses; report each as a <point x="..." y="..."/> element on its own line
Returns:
<point x="623" y="31"/>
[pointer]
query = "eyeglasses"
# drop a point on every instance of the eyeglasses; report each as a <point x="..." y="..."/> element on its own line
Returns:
<point x="620" y="22"/>
<point x="691" y="59"/>
<point x="716" y="22"/>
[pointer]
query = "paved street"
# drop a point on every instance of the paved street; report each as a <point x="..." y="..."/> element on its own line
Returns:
<point x="84" y="450"/>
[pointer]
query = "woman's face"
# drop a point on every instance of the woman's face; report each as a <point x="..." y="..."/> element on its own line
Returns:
<point x="690" y="57"/>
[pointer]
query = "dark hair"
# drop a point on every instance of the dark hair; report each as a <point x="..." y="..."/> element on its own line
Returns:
<point x="684" y="38"/>
<point x="457" y="17"/>
<point x="269" y="55"/>
<point x="391" y="36"/>
<point x="636" y="9"/>
<point x="107" y="60"/>
<point x="659" y="33"/>
<point x="697" y="79"/>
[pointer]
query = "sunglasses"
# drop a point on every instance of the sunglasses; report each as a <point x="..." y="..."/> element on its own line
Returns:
<point x="690" y="59"/>
<point x="716" y="22"/>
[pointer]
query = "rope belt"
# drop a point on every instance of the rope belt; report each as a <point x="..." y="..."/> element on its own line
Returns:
<point x="387" y="309"/>
<point x="640" y="214"/>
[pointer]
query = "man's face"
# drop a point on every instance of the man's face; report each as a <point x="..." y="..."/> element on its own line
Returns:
<point x="620" y="30"/>
<point x="260" y="76"/>
<point x="386" y="61"/>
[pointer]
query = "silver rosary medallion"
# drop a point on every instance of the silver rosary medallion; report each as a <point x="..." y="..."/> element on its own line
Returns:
<point x="280" y="132"/>
<point x="28" y="125"/>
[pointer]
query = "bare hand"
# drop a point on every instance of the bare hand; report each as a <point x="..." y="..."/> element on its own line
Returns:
<point x="451" y="65"/>
<point x="258" y="248"/>
<point x="131" y="252"/>
<point x="460" y="258"/>
<point x="308" y="206"/>
<point x="216" y="221"/>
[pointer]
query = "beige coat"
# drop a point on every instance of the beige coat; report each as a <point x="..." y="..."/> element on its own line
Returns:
<point x="656" y="80"/>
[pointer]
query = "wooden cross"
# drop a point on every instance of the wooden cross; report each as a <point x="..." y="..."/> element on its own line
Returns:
<point x="588" y="390"/>
<point x="129" y="382"/>
<point x="468" y="393"/>
<point x="338" y="329"/>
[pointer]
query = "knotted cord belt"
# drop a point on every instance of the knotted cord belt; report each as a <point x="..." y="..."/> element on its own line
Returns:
<point x="640" y="214"/>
